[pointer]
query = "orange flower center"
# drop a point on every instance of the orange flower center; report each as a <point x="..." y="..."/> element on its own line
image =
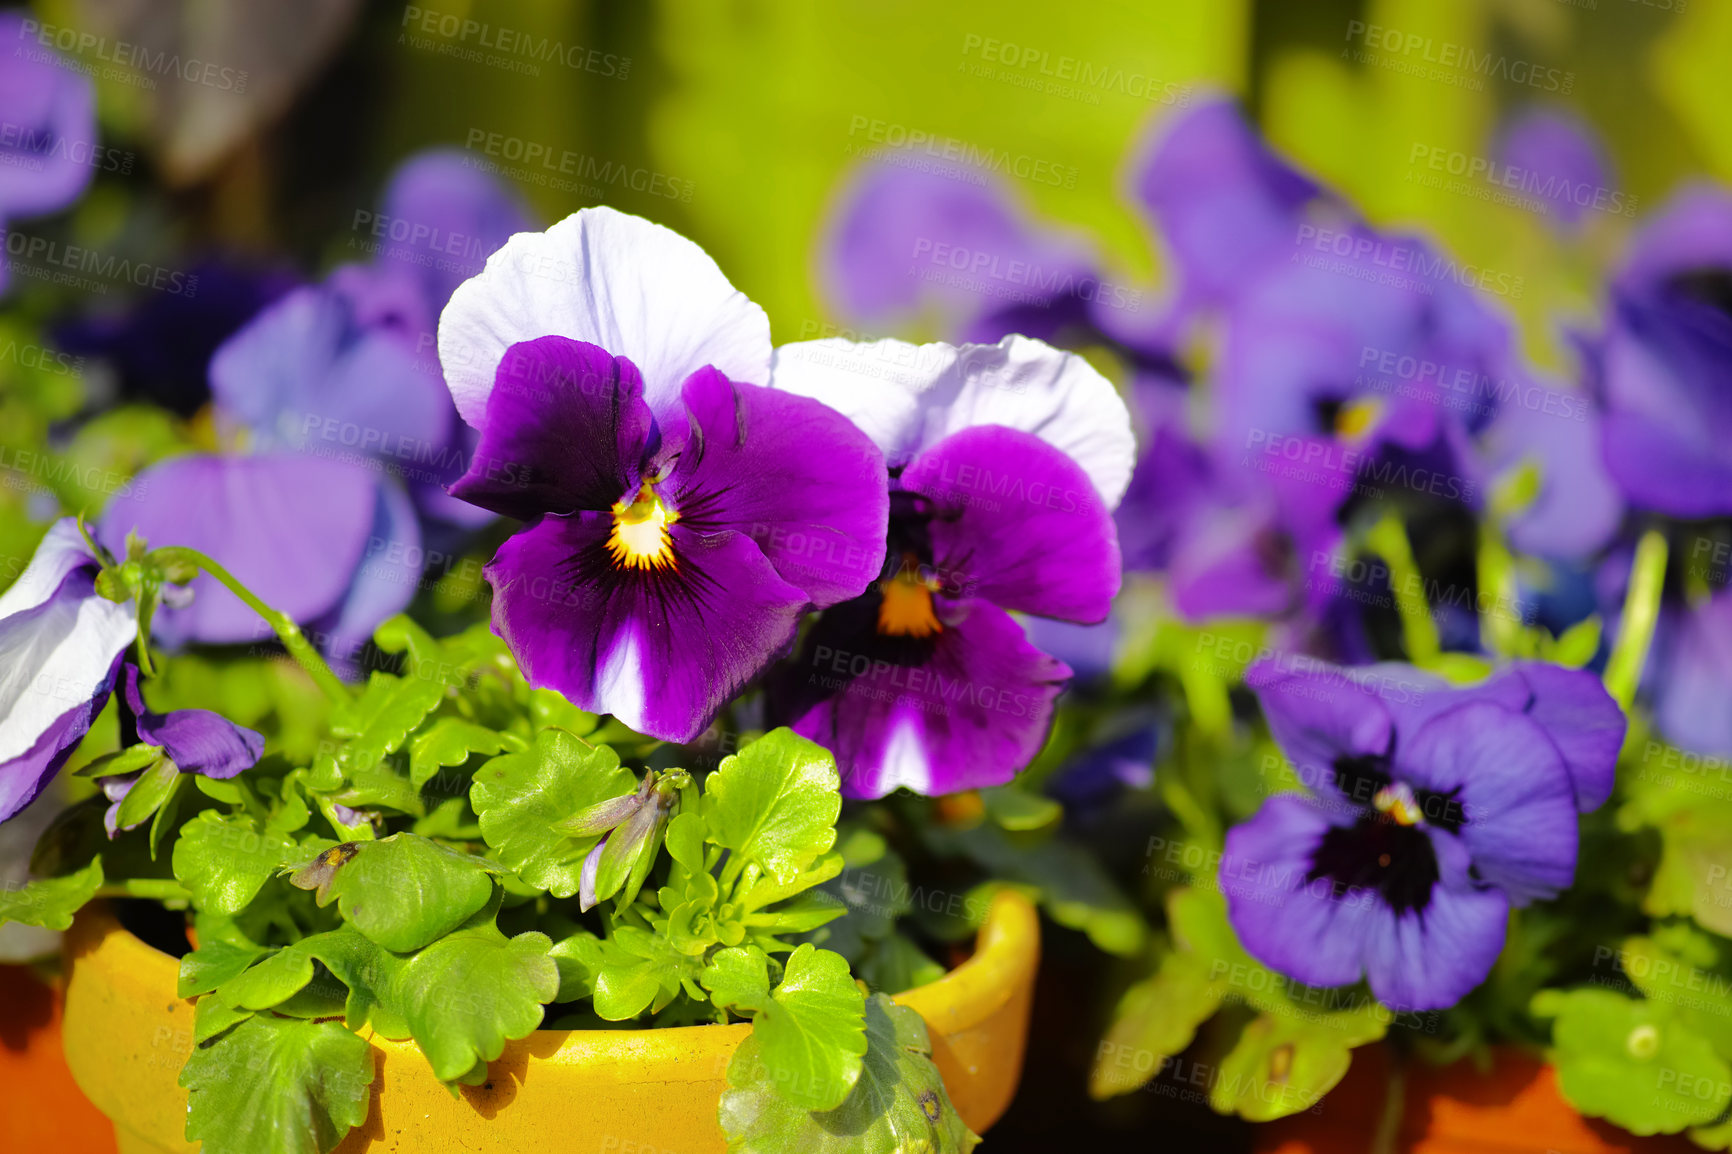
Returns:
<point x="906" y="607"/>
<point x="639" y="538"/>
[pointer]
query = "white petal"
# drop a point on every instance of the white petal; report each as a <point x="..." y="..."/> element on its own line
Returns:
<point x="62" y="550"/>
<point x="56" y="651"/>
<point x="907" y="397"/>
<point x="637" y="289"/>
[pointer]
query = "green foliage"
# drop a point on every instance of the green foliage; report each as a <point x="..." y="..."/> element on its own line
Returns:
<point x="50" y="902"/>
<point x="897" y="1101"/>
<point x="277" y="1084"/>
<point x="404" y="891"/>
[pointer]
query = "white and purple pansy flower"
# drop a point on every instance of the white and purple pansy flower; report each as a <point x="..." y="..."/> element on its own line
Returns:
<point x="60" y="648"/>
<point x="1434" y="809"/>
<point x="1006" y="462"/>
<point x="191" y="740"/>
<point x="681" y="517"/>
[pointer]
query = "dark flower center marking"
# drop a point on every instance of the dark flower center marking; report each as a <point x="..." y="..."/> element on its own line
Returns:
<point x="1376" y="853"/>
<point x="1710" y="286"/>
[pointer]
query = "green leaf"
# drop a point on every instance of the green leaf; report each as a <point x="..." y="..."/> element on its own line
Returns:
<point x="551" y="710"/>
<point x="212" y="964"/>
<point x="519" y="797"/>
<point x="448" y="742"/>
<point x="638" y="971"/>
<point x="579" y="958"/>
<point x="282" y="1085"/>
<point x="1284" y="1064"/>
<point x="1015" y="808"/>
<point x="1155" y="1019"/>
<point x="384" y="716"/>
<point x="369" y="973"/>
<point x="279" y="977"/>
<point x="50" y="902"/>
<point x="211" y="1017"/>
<point x="894" y="963"/>
<point x="738" y="978"/>
<point x="223" y="860"/>
<point x="897" y="1102"/>
<point x="1576" y="646"/>
<point x="811" y="1030"/>
<point x="471" y="991"/>
<point x="167" y="813"/>
<point x="1631" y="1062"/>
<point x="775" y="803"/>
<point x="405" y="891"/>
<point x="129" y="760"/>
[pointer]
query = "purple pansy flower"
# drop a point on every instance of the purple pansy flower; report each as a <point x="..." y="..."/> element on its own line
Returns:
<point x="48" y="151"/>
<point x="681" y="517"/>
<point x="1666" y="364"/>
<point x="1689" y="671"/>
<point x="1555" y="154"/>
<point x="348" y="428"/>
<point x="60" y="648"/>
<point x="193" y="740"/>
<point x="1007" y="460"/>
<point x="1434" y="809"/>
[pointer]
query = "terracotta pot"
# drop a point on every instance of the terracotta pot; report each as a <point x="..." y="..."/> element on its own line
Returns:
<point x="44" y="1109"/>
<point x="579" y="1090"/>
<point x="1515" y="1108"/>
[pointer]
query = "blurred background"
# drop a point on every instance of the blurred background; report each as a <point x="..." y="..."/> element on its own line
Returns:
<point x="750" y="125"/>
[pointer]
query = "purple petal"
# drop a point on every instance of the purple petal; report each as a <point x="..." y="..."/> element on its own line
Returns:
<point x="196" y="740"/>
<point x="1498" y="773"/>
<point x="789" y="472"/>
<point x="1019" y="524"/>
<point x="1226" y="203"/>
<point x="965" y="710"/>
<point x="1327" y="723"/>
<point x="566" y="430"/>
<point x="662" y="650"/>
<point x="1692" y="666"/>
<point x="1578" y="507"/>
<point x="1583" y="721"/>
<point x="290" y="527"/>
<point x="1311" y="930"/>
<point x="384" y="582"/>
<point x="1561" y="156"/>
<point x="443" y="217"/>
<point x="1415" y="963"/>
<point x="50" y="149"/>
<point x="308" y="373"/>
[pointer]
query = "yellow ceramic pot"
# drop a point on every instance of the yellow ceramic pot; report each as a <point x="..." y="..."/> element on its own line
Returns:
<point x="600" y="1091"/>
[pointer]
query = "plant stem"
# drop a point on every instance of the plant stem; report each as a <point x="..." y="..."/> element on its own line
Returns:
<point x="1388" y="539"/>
<point x="287" y="631"/>
<point x="1641" y="612"/>
<point x="157" y="889"/>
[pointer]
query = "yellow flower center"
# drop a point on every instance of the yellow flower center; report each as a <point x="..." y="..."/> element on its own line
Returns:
<point x="1356" y="418"/>
<point x="906" y="608"/>
<point x="1398" y="802"/>
<point x="640" y="539"/>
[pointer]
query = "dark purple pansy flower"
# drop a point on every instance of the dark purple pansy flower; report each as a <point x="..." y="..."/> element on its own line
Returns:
<point x="1554" y="155"/>
<point x="1690" y="672"/>
<point x="60" y="648"/>
<point x="681" y="518"/>
<point x="1666" y="365"/>
<point x="1007" y="460"/>
<point x="1434" y="809"/>
<point x="193" y="740"/>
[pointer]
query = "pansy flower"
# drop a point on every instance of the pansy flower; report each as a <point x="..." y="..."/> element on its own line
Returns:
<point x="680" y="517"/>
<point x="60" y="650"/>
<point x="1433" y="809"/>
<point x="1007" y="460"/>
<point x="1666" y="364"/>
<point x="190" y="740"/>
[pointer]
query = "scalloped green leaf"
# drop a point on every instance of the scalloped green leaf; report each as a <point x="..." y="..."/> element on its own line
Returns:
<point x="405" y="891"/>
<point x="448" y="742"/>
<point x="897" y="1102"/>
<point x="285" y="1085"/>
<point x="519" y="797"/>
<point x="472" y="991"/>
<point x="223" y="860"/>
<point x="51" y="902"/>
<point x="775" y="803"/>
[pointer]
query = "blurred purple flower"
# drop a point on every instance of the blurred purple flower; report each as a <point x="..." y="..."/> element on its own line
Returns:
<point x="60" y="648"/>
<point x="1555" y="155"/>
<point x="1666" y="365"/>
